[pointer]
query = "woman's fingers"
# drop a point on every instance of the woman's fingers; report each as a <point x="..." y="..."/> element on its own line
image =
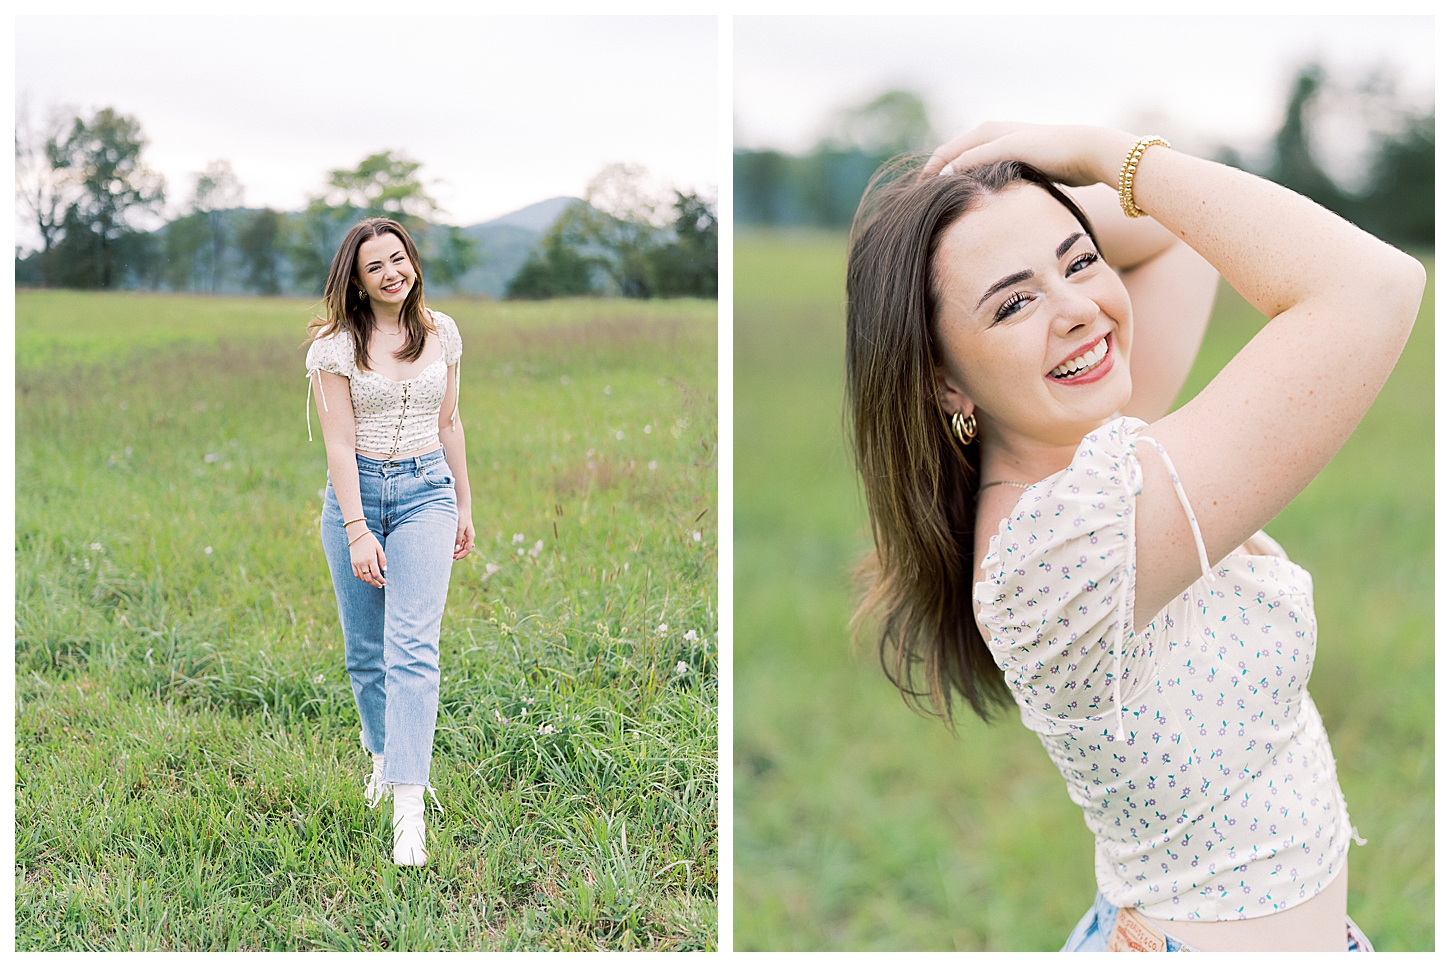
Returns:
<point x="952" y="152"/>
<point x="463" y="543"/>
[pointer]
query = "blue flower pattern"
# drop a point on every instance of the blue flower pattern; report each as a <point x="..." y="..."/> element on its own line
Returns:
<point x="1221" y="800"/>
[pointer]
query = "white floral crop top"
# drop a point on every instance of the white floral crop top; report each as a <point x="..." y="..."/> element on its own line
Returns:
<point x="392" y="417"/>
<point x="1193" y="748"/>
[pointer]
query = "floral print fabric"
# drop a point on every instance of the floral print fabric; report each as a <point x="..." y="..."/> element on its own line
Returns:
<point x="392" y="417"/>
<point x="1217" y="798"/>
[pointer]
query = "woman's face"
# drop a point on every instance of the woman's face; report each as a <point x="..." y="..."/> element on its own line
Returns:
<point x="384" y="270"/>
<point x="1034" y="327"/>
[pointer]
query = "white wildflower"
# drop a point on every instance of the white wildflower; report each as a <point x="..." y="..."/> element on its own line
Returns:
<point x="97" y="547"/>
<point x="691" y="635"/>
<point x="208" y="550"/>
<point x="210" y="458"/>
<point x="681" y="668"/>
<point x="619" y="434"/>
<point x="547" y="729"/>
<point x="654" y="464"/>
<point x="536" y="549"/>
<point x="662" y="629"/>
<point x="518" y="538"/>
<point x="648" y="428"/>
<point x="696" y="536"/>
<point x="489" y="570"/>
<point x="318" y="679"/>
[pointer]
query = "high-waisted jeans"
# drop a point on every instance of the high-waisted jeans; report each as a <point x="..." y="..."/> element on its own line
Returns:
<point x="391" y="633"/>
<point x="1092" y="931"/>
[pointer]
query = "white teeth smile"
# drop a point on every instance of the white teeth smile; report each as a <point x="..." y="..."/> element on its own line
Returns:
<point x="1081" y="364"/>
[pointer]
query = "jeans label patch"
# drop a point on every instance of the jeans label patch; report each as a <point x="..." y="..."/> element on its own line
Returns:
<point x="1134" y="935"/>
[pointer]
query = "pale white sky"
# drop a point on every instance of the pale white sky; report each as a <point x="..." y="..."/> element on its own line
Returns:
<point x="1202" y="80"/>
<point x="506" y="111"/>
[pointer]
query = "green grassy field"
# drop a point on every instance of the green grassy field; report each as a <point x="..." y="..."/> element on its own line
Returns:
<point x="188" y="770"/>
<point x="859" y="825"/>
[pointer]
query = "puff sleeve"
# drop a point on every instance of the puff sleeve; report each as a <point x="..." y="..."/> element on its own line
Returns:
<point x="448" y="332"/>
<point x="332" y="354"/>
<point x="1057" y="598"/>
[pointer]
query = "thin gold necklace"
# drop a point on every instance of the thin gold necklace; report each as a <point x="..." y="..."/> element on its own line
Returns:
<point x="1009" y="483"/>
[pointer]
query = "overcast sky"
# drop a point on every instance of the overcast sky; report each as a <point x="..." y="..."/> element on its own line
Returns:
<point x="1205" y="80"/>
<point x="506" y="111"/>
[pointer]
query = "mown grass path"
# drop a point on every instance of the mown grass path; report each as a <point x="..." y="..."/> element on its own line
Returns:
<point x="861" y="826"/>
<point x="188" y="770"/>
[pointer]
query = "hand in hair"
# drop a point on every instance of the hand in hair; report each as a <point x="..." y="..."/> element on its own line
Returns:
<point x="1068" y="154"/>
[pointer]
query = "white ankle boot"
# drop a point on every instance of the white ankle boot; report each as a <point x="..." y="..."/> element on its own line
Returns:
<point x="408" y="825"/>
<point x="375" y="791"/>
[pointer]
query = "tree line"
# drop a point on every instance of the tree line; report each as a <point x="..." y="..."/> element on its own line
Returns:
<point x="86" y="190"/>
<point x="626" y="239"/>
<point x="1396" y="201"/>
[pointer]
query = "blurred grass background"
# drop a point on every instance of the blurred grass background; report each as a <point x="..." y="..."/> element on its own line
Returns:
<point x="859" y="825"/>
<point x="188" y="769"/>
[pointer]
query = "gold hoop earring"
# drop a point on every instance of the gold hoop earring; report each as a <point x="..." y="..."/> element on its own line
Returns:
<point x="362" y="295"/>
<point x="964" y="428"/>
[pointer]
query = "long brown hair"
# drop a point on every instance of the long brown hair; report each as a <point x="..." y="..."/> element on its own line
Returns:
<point x="345" y="310"/>
<point x="920" y="483"/>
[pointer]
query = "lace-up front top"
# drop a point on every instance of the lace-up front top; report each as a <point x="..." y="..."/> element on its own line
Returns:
<point x="1193" y="748"/>
<point x="392" y="417"/>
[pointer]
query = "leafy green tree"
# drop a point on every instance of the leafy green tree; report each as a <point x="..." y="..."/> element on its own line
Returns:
<point x="1400" y="206"/>
<point x="381" y="186"/>
<point x="888" y="124"/>
<point x="560" y="266"/>
<point x="43" y="191"/>
<point x="103" y="156"/>
<point x="217" y="190"/>
<point x="689" y="264"/>
<point x="183" y="240"/>
<point x="259" y="241"/>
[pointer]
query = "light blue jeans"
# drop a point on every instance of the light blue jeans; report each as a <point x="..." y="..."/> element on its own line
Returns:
<point x="391" y="633"/>
<point x="1091" y="933"/>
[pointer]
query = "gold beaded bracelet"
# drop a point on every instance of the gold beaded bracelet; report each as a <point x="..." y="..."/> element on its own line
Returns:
<point x="1129" y="169"/>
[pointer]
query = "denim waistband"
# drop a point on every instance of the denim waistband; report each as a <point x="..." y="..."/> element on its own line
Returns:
<point x="399" y="465"/>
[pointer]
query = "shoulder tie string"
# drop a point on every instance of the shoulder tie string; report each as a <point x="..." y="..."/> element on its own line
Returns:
<point x="307" y="405"/>
<point x="1125" y="627"/>
<point x="457" y="391"/>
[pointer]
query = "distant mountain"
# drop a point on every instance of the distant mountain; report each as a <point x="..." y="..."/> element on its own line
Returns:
<point x="504" y="244"/>
<point x="536" y="217"/>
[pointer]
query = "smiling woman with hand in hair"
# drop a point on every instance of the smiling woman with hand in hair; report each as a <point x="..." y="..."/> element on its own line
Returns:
<point x="1049" y="536"/>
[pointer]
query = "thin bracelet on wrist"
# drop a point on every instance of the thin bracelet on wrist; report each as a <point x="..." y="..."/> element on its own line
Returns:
<point x="348" y="523"/>
<point x="1129" y="170"/>
<point x="358" y="538"/>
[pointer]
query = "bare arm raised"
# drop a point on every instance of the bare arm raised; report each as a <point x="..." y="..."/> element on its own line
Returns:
<point x="1340" y="304"/>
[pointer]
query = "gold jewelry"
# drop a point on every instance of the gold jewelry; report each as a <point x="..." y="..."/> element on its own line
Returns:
<point x="964" y="428"/>
<point x="1009" y="483"/>
<point x="359" y="537"/>
<point x="349" y="523"/>
<point x="361" y="294"/>
<point x="1129" y="169"/>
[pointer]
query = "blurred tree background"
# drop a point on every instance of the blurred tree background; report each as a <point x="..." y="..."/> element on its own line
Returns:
<point x="1392" y="196"/>
<point x="99" y="215"/>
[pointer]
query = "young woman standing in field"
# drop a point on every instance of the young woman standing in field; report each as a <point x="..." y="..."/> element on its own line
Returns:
<point x="397" y="510"/>
<point x="1048" y="534"/>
